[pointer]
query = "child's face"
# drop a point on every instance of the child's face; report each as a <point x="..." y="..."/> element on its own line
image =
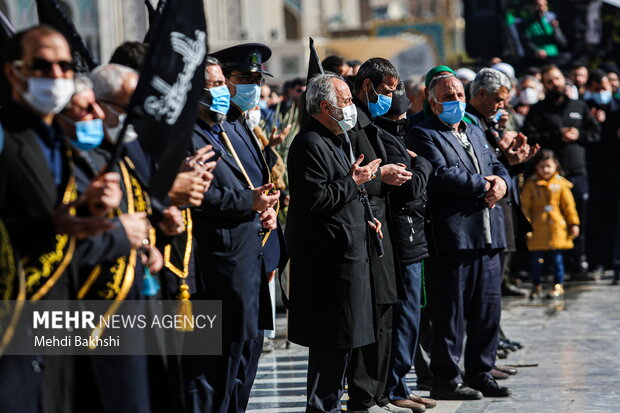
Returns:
<point x="546" y="168"/>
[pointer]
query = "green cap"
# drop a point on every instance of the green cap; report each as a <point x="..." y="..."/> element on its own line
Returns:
<point x="437" y="69"/>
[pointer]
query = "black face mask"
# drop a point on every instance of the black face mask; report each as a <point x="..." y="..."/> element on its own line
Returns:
<point x="395" y="127"/>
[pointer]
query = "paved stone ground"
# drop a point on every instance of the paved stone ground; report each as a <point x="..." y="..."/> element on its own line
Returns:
<point x="575" y="344"/>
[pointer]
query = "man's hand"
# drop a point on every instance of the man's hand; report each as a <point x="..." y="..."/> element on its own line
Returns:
<point x="395" y="174"/>
<point x="276" y="137"/>
<point x="363" y="174"/>
<point x="599" y="115"/>
<point x="501" y="123"/>
<point x="199" y="158"/>
<point x="269" y="219"/>
<point x="136" y="228"/>
<point x="152" y="258"/>
<point x="515" y="148"/>
<point x="574" y="231"/>
<point x="172" y="224"/>
<point x="376" y="226"/>
<point x="496" y="189"/>
<point x="264" y="197"/>
<point x="541" y="54"/>
<point x="79" y="227"/>
<point x="412" y="153"/>
<point x="188" y="189"/>
<point x="570" y="134"/>
<point x="104" y="194"/>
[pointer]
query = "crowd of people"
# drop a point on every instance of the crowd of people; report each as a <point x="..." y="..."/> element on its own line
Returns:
<point x="404" y="209"/>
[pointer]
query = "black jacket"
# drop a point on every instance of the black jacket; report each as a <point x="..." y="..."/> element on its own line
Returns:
<point x="544" y="123"/>
<point x="330" y="289"/>
<point x="408" y="201"/>
<point x="365" y="140"/>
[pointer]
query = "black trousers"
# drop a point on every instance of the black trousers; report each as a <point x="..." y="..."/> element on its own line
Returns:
<point x="466" y="299"/>
<point x="369" y="366"/>
<point x="222" y="384"/>
<point x="581" y="192"/>
<point x="326" y="373"/>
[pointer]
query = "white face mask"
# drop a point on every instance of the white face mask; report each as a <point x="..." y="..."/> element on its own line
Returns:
<point x="46" y="95"/>
<point x="252" y="118"/>
<point x="349" y="117"/>
<point x="528" y="96"/>
<point x="115" y="131"/>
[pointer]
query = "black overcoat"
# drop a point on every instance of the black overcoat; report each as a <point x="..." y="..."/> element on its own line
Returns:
<point x="330" y="292"/>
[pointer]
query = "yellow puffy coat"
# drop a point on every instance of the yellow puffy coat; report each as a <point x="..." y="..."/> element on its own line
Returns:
<point x="550" y="207"/>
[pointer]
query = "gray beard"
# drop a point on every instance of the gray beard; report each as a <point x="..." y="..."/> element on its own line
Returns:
<point x="216" y="117"/>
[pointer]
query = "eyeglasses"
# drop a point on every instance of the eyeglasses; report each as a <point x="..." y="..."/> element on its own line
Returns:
<point x="45" y="66"/>
<point x="247" y="80"/>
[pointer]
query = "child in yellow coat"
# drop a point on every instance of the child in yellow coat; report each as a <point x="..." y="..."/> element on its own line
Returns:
<point x="548" y="203"/>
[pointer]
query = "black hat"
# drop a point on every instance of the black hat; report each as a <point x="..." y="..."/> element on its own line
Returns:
<point x="248" y="57"/>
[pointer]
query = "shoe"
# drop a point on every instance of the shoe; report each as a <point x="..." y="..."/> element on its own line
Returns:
<point x="406" y="407"/>
<point x="515" y="343"/>
<point x="505" y="369"/>
<point x="556" y="292"/>
<point x="507" y="345"/>
<point x="502" y="353"/>
<point x="509" y="290"/>
<point x="460" y="392"/>
<point x="499" y="375"/>
<point x="490" y="388"/>
<point x="536" y="292"/>
<point x="428" y="403"/>
<point x="376" y="409"/>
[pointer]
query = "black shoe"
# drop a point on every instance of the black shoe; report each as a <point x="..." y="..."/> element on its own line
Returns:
<point x="502" y="353"/>
<point x="460" y="392"/>
<point x="490" y="388"/>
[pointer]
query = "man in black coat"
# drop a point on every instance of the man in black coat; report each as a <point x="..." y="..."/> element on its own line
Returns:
<point x="375" y="84"/>
<point x="229" y="228"/>
<point x="467" y="234"/>
<point x="407" y="206"/>
<point x="566" y="126"/>
<point x="36" y="186"/>
<point x="330" y="308"/>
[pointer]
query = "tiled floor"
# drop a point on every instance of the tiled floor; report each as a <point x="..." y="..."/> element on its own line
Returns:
<point x="575" y="344"/>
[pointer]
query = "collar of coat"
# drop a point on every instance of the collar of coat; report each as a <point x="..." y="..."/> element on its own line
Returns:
<point x="234" y="113"/>
<point x="555" y="179"/>
<point x="363" y="114"/>
<point x="314" y="125"/>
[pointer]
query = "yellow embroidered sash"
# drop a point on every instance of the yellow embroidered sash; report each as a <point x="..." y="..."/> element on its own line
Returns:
<point x="113" y="281"/>
<point x="12" y="286"/>
<point x="43" y="272"/>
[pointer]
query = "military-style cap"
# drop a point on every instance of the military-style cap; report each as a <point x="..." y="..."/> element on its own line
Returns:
<point x="247" y="57"/>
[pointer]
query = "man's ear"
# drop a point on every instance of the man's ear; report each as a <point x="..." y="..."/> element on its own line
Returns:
<point x="367" y="85"/>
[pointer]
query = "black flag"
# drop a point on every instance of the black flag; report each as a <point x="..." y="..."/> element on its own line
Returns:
<point x="152" y="15"/>
<point x="164" y="106"/>
<point x="52" y="14"/>
<point x="314" y="63"/>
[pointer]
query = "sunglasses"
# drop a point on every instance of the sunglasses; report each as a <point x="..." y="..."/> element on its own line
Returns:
<point x="45" y="66"/>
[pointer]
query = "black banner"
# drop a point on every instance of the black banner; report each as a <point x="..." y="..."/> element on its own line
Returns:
<point x="163" y="108"/>
<point x="52" y="14"/>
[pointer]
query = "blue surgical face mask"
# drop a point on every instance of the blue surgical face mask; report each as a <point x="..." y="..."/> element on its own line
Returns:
<point x="453" y="111"/>
<point x="220" y="99"/>
<point x="262" y="104"/>
<point x="600" y="98"/>
<point x="381" y="106"/>
<point x="89" y="134"/>
<point x="247" y="96"/>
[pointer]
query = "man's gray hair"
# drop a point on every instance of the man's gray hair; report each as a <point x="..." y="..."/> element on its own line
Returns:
<point x="82" y="83"/>
<point x="320" y="88"/>
<point x="108" y="79"/>
<point x="490" y="80"/>
<point x="432" y="85"/>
